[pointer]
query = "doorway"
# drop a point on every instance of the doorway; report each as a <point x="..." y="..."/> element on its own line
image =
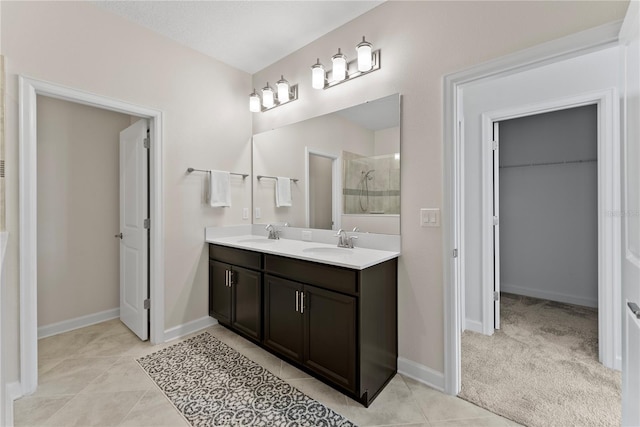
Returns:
<point x="29" y="90"/>
<point x="84" y="177"/>
<point x="323" y="184"/>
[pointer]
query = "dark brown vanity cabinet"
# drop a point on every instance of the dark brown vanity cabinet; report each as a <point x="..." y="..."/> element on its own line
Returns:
<point x="337" y="323"/>
<point x="235" y="292"/>
<point x="312" y="326"/>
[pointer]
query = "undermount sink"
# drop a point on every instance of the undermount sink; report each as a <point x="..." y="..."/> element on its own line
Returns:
<point x="262" y="240"/>
<point x="327" y="251"/>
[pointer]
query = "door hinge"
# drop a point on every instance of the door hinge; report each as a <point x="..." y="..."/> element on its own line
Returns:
<point x="147" y="304"/>
<point x="455" y="253"/>
<point x="495" y="220"/>
<point x="147" y="143"/>
<point x="147" y="223"/>
<point x="496" y="296"/>
<point x="494" y="145"/>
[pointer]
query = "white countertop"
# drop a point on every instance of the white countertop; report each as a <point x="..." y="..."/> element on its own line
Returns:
<point x="356" y="258"/>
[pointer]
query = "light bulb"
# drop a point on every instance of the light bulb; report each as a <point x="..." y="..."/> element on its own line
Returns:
<point x="254" y="102"/>
<point x="317" y="75"/>
<point x="339" y="66"/>
<point x="267" y="97"/>
<point x="364" y="55"/>
<point x="282" y="86"/>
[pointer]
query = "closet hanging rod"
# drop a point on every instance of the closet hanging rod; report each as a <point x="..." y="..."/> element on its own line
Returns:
<point x="274" y="177"/>
<point x="189" y="170"/>
<point x="566" y="162"/>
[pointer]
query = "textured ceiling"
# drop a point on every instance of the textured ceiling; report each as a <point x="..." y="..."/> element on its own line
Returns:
<point x="249" y="35"/>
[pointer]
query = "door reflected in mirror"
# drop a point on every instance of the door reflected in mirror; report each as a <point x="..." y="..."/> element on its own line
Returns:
<point x="346" y="165"/>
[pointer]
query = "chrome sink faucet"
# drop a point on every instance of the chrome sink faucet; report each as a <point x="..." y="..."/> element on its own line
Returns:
<point x="345" y="241"/>
<point x="273" y="233"/>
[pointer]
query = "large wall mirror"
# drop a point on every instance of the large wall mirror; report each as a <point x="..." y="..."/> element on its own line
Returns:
<point x="340" y="170"/>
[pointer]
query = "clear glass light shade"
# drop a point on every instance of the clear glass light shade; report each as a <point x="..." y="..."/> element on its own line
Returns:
<point x="365" y="62"/>
<point x="283" y="89"/>
<point x="268" y="100"/>
<point x="254" y="102"/>
<point x="317" y="76"/>
<point x="339" y="66"/>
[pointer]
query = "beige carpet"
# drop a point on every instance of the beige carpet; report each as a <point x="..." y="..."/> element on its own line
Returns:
<point x="541" y="368"/>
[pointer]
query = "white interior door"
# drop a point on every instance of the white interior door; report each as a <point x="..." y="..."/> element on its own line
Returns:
<point x="629" y="36"/>
<point x="134" y="237"/>
<point x="496" y="225"/>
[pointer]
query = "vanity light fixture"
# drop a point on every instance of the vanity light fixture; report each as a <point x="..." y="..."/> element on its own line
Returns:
<point x="268" y="97"/>
<point x="283" y="94"/>
<point x="367" y="61"/>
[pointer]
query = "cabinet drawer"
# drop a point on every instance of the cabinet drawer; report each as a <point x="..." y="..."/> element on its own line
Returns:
<point x="235" y="256"/>
<point x="323" y="275"/>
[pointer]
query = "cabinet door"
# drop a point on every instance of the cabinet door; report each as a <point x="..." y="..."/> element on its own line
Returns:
<point x="219" y="292"/>
<point x="330" y="335"/>
<point x="283" y="318"/>
<point x="247" y="301"/>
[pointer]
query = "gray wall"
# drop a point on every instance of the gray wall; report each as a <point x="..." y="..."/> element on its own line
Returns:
<point x="548" y="213"/>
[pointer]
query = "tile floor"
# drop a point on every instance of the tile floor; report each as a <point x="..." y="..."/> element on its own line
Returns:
<point x="89" y="377"/>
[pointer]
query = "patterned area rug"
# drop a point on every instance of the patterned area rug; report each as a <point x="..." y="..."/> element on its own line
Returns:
<point x="214" y="385"/>
<point x="541" y="368"/>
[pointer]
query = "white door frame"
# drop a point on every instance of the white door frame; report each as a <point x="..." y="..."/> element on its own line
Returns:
<point x="336" y="200"/>
<point x="609" y="231"/>
<point x="453" y="189"/>
<point x="28" y="90"/>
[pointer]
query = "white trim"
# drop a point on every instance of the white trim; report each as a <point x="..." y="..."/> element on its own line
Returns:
<point x="13" y="392"/>
<point x="609" y="226"/>
<point x="28" y="89"/>
<point x="77" y="323"/>
<point x="189" y="328"/>
<point x="336" y="178"/>
<point x="473" y="325"/>
<point x="421" y="373"/>
<point x="548" y="295"/>
<point x="453" y="190"/>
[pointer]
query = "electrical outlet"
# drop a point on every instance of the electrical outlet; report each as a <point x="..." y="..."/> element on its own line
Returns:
<point x="306" y="235"/>
<point x="257" y="213"/>
<point x="245" y="213"/>
<point x="430" y="217"/>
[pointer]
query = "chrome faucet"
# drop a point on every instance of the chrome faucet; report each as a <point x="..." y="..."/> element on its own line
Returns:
<point x="345" y="241"/>
<point x="273" y="233"/>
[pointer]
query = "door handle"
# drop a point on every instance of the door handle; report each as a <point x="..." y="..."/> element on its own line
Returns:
<point x="302" y="302"/>
<point x="634" y="309"/>
<point x="230" y="278"/>
<point x="297" y="301"/>
<point x="226" y="278"/>
<point x="118" y="236"/>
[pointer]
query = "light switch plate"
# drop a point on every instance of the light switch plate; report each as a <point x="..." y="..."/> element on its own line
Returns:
<point x="430" y="217"/>
<point x="306" y="235"/>
<point x="245" y="213"/>
<point x="257" y="213"/>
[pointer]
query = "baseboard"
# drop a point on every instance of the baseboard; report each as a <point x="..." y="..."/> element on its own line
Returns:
<point x="77" y="323"/>
<point x="473" y="325"/>
<point x="189" y="328"/>
<point x="421" y="373"/>
<point x="13" y="393"/>
<point x="553" y="296"/>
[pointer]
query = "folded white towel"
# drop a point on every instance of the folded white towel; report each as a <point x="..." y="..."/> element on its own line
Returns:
<point x="283" y="192"/>
<point x="219" y="188"/>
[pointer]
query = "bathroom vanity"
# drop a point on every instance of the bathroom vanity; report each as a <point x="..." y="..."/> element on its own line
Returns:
<point x="329" y="311"/>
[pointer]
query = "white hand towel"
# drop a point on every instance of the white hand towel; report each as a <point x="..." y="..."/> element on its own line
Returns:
<point x="283" y="192"/>
<point x="219" y="189"/>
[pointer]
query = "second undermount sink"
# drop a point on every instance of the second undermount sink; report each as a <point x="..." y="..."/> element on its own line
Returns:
<point x="259" y="240"/>
<point x="327" y="251"/>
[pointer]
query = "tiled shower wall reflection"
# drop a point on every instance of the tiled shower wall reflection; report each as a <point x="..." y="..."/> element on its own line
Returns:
<point x="371" y="185"/>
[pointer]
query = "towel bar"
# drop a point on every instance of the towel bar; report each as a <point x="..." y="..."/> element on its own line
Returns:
<point x="189" y="170"/>
<point x="274" y="177"/>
